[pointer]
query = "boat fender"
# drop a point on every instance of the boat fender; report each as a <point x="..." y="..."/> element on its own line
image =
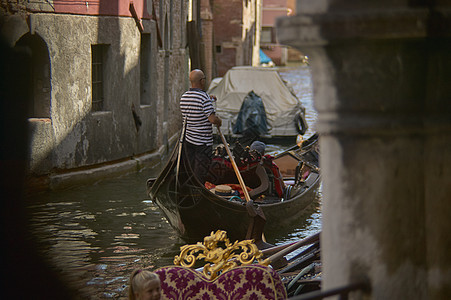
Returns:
<point x="300" y="123"/>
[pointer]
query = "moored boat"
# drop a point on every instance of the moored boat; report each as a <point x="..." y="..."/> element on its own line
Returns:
<point x="256" y="101"/>
<point x="195" y="209"/>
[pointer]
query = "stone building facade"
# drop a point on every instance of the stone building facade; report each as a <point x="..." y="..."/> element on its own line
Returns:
<point x="105" y="79"/>
<point x="273" y="9"/>
<point x="237" y="25"/>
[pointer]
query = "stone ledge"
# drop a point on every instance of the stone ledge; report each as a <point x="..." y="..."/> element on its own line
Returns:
<point x="382" y="124"/>
<point x="321" y="29"/>
<point x="62" y="181"/>
<point x="72" y="178"/>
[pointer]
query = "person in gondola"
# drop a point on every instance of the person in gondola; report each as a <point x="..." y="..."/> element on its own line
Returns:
<point x="144" y="285"/>
<point x="199" y="115"/>
<point x="258" y="146"/>
<point x="276" y="184"/>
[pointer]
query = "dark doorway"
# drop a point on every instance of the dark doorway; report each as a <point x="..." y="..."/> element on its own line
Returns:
<point x="39" y="81"/>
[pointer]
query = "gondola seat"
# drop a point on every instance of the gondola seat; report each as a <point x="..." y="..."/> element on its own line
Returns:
<point x="264" y="182"/>
<point x="243" y="282"/>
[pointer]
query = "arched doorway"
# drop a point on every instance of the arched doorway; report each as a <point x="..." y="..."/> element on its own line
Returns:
<point x="39" y="68"/>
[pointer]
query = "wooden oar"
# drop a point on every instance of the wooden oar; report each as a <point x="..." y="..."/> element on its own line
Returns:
<point x="272" y="250"/>
<point x="237" y="172"/>
<point x="235" y="167"/>
<point x="291" y="248"/>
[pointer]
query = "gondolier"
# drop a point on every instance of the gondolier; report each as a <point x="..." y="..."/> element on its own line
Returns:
<point x="199" y="114"/>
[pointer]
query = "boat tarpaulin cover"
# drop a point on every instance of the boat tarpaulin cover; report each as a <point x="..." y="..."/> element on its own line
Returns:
<point x="252" y="116"/>
<point x="280" y="103"/>
<point x="264" y="59"/>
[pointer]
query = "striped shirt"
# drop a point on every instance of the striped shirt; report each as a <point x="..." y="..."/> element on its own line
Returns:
<point x="196" y="107"/>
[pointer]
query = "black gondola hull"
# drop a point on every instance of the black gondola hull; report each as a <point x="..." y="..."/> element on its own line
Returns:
<point x="194" y="211"/>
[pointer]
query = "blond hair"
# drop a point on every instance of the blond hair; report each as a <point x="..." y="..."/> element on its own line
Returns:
<point x="138" y="279"/>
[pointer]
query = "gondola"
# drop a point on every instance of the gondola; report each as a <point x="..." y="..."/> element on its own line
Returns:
<point x="195" y="210"/>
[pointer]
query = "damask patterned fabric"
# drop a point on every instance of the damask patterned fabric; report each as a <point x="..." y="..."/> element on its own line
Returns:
<point x="244" y="282"/>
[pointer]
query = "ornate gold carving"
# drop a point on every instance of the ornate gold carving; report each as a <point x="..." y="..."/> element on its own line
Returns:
<point x="220" y="260"/>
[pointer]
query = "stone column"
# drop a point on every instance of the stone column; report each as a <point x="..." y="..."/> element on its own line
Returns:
<point x="382" y="89"/>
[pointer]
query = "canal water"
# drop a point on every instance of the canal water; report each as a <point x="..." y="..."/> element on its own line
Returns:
<point x="95" y="235"/>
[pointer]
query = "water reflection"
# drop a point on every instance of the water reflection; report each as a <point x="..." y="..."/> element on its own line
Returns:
<point x="95" y="235"/>
<point x="300" y="79"/>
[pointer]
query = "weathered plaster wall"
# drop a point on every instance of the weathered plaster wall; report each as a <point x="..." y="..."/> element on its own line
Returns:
<point x="75" y="137"/>
<point x="82" y="137"/>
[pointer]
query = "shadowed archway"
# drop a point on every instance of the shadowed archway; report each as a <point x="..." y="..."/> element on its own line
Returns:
<point x="38" y="66"/>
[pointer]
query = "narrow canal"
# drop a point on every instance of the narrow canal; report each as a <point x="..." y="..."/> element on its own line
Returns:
<point x="95" y="235"/>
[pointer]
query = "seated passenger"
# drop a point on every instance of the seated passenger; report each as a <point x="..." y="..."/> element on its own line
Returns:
<point x="276" y="184"/>
<point x="259" y="147"/>
<point x="257" y="169"/>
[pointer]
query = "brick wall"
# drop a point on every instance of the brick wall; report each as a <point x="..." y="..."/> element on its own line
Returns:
<point x="227" y="21"/>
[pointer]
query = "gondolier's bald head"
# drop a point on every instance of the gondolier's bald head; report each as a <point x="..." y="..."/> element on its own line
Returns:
<point x="197" y="78"/>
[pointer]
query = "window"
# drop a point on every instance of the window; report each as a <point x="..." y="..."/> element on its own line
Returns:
<point x="98" y="65"/>
<point x="145" y="69"/>
<point x="266" y="35"/>
<point x="218" y="49"/>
